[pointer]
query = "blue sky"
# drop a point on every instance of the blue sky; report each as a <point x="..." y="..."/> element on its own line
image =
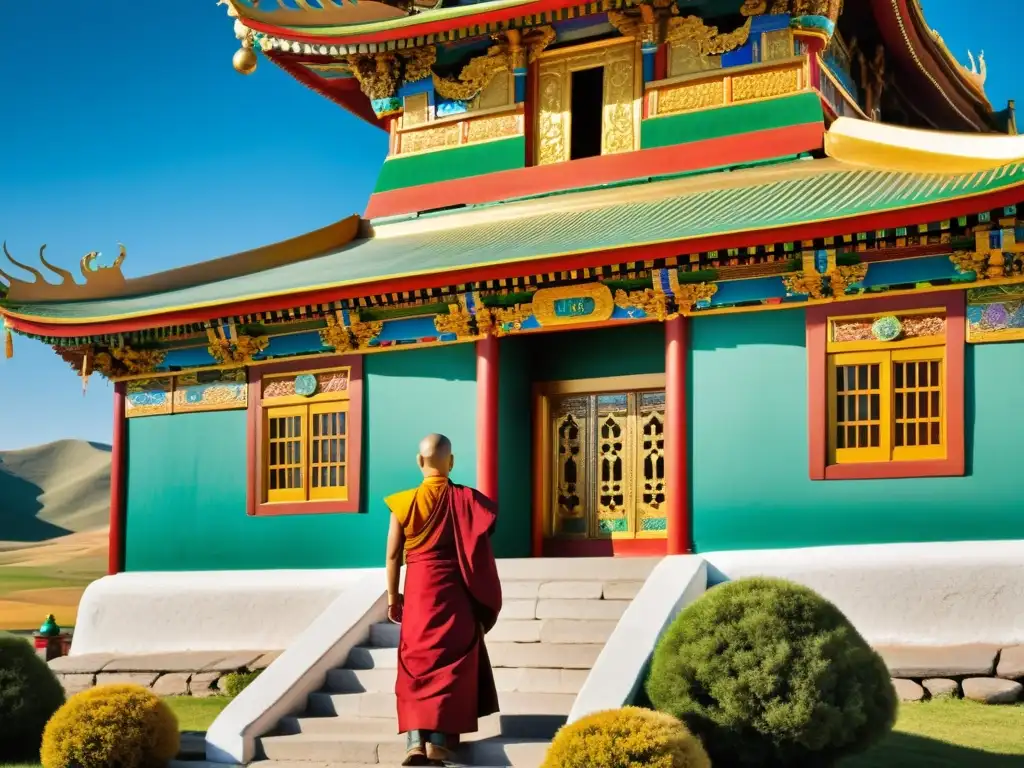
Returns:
<point x="122" y="126"/>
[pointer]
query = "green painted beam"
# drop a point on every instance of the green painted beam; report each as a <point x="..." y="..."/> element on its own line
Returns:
<point x="455" y="163"/>
<point x="798" y="109"/>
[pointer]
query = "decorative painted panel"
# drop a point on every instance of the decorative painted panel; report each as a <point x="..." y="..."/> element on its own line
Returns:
<point x="763" y="85"/>
<point x="708" y="90"/>
<point x="438" y="137"/>
<point x="650" y="461"/>
<point x="148" y="397"/>
<point x="888" y="327"/>
<point x="573" y="304"/>
<point x="571" y="438"/>
<point x="777" y="44"/>
<point x="995" y="314"/>
<point x="187" y="393"/>
<point x="685" y="57"/>
<point x="614" y="473"/>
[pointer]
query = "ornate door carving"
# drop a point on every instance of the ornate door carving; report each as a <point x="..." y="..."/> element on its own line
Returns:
<point x="608" y="476"/>
<point x="621" y="104"/>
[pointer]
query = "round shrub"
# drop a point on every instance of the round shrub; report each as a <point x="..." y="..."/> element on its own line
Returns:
<point x="769" y="673"/>
<point x="235" y="682"/>
<point x="29" y="694"/>
<point x="626" y="738"/>
<point x="111" y="726"/>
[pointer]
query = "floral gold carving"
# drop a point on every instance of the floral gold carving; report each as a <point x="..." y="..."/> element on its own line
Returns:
<point x="843" y="277"/>
<point x="830" y="8"/>
<point x="502" y="321"/>
<point x="803" y="283"/>
<point x="457" y="321"/>
<point x="496" y="127"/>
<point x="336" y="335"/>
<point x="683" y="98"/>
<point x="365" y="332"/>
<point x="377" y="73"/>
<point x="971" y="261"/>
<point x="447" y="135"/>
<point x="653" y="303"/>
<point x="690" y="294"/>
<point x="475" y="76"/>
<point x="137" y="361"/>
<point x="237" y="352"/>
<point x="418" y="63"/>
<point x="618" y="104"/>
<point x="552" y="144"/>
<point x="754" y="7"/>
<point x="778" y="44"/>
<point x="683" y="29"/>
<point x="762" y="85"/>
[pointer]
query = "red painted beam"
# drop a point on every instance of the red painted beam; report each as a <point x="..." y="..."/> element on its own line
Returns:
<point x="876" y="220"/>
<point x="487" y="417"/>
<point x="594" y="171"/>
<point x="677" y="492"/>
<point x="118" y="461"/>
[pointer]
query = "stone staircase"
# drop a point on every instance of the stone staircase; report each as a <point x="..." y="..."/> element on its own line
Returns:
<point x="557" y="615"/>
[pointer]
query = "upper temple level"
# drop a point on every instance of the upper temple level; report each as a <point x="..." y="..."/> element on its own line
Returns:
<point x="503" y="99"/>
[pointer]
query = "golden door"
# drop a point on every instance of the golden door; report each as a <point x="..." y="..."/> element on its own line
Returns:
<point x="607" y="471"/>
<point x="622" y="93"/>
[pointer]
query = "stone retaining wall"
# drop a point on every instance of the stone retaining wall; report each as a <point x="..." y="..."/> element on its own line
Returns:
<point x="986" y="673"/>
<point x="167" y="674"/>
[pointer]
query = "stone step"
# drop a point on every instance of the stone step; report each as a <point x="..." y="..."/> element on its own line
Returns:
<point x="536" y="655"/>
<point x="513" y="680"/>
<point x="384" y="705"/>
<point x="375" y="751"/>
<point x="607" y="610"/>
<point x="520" y="631"/>
<point x="508" y="726"/>
<point x="603" y="569"/>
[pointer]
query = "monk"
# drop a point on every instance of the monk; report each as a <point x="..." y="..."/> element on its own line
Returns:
<point x="452" y="598"/>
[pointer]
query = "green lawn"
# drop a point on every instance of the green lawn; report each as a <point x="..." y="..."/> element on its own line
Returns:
<point x="937" y="734"/>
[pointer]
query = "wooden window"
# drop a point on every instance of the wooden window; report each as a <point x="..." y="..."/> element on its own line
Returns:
<point x="886" y="387"/>
<point x="306" y="437"/>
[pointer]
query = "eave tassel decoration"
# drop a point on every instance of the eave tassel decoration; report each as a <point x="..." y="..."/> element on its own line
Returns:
<point x="8" y="341"/>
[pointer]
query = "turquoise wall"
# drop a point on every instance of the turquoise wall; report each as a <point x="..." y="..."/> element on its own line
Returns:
<point x="749" y="454"/>
<point x="186" y="494"/>
<point x="515" y="436"/>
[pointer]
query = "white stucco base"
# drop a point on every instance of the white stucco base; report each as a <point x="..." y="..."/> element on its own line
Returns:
<point x="140" y="613"/>
<point x="948" y="593"/>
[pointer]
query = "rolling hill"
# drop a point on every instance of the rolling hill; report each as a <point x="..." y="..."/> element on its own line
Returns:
<point x="54" y="515"/>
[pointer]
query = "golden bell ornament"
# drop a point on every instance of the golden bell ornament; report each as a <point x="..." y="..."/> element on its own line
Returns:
<point x="244" y="61"/>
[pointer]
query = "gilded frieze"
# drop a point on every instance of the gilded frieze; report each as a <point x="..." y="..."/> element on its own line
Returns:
<point x="842" y="278"/>
<point x="457" y="321"/>
<point x="552" y="141"/>
<point x="777" y="44"/>
<point x="690" y="96"/>
<point x="439" y="137"/>
<point x="691" y="294"/>
<point x="805" y="284"/>
<point x="336" y="336"/>
<point x="763" y="85"/>
<point x="496" y="127"/>
<point x="653" y="303"/>
<point x="682" y="29"/>
<point x="148" y="397"/>
<point x="237" y="352"/>
<point x="573" y="304"/>
<point x="365" y="332"/>
<point x="475" y="76"/>
<point x="418" y="63"/>
<point x="136" y="361"/>
<point x="378" y="73"/>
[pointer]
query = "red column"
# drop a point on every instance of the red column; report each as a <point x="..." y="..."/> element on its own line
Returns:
<point x="487" y="417"/>
<point x="118" y="459"/>
<point x="676" y="475"/>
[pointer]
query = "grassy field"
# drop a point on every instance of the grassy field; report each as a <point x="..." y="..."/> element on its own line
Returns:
<point x="938" y="734"/>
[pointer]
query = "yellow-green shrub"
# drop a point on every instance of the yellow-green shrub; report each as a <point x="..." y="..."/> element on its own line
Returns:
<point x="626" y="738"/>
<point x="111" y="726"/>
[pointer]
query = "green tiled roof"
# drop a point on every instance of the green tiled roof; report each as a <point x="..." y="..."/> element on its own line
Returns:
<point x="799" y="192"/>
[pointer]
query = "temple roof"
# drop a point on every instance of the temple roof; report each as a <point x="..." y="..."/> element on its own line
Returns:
<point x="724" y="206"/>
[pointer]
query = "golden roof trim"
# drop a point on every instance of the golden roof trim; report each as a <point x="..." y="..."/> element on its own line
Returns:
<point x="109" y="282"/>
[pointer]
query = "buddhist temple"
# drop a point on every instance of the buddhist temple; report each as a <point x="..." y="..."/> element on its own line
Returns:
<point x="673" y="276"/>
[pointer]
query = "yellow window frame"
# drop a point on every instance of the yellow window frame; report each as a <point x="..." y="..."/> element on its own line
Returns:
<point x="337" y="492"/>
<point x="886" y="449"/>
<point x="277" y="495"/>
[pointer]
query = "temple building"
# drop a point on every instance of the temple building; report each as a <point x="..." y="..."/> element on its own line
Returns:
<point x="673" y="275"/>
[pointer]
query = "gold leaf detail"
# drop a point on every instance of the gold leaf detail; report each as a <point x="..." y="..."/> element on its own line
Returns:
<point x="653" y="303"/>
<point x="474" y="77"/>
<point x="801" y="282"/>
<point x="336" y="335"/>
<point x="366" y="332"/>
<point x="239" y="352"/>
<point x="843" y="277"/>
<point x="971" y="261"/>
<point x="418" y="63"/>
<point x="690" y="294"/>
<point x="495" y="319"/>
<point x="138" y="360"/>
<point x="377" y="73"/>
<point x="457" y="321"/>
<point x="693" y="29"/>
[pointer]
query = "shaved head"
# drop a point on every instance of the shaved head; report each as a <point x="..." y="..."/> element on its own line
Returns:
<point x="435" y="457"/>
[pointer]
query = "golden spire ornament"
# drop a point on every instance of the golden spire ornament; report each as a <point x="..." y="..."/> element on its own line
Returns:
<point x="244" y="61"/>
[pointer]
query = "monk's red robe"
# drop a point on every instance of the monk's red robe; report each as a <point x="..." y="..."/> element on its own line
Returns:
<point x="452" y="597"/>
